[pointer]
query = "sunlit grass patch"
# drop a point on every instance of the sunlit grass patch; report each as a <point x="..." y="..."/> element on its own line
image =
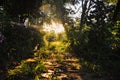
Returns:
<point x="42" y="53"/>
<point x="59" y="46"/>
<point x="39" y="68"/>
<point x="14" y="72"/>
<point x="26" y="69"/>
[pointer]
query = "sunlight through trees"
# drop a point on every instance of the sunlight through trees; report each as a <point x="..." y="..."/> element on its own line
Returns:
<point x="59" y="39"/>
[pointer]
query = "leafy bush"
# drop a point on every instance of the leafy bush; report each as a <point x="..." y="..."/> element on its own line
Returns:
<point x="116" y="38"/>
<point x="27" y="69"/>
<point x="23" y="71"/>
<point x="21" y="41"/>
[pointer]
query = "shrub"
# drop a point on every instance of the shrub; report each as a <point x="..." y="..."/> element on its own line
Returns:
<point x="20" y="41"/>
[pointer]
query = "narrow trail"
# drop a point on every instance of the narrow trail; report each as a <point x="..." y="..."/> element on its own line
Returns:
<point x="65" y="66"/>
<point x="52" y="64"/>
<point x="62" y="66"/>
<point x="57" y="66"/>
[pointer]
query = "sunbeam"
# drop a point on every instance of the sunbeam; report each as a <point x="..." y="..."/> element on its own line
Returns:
<point x="55" y="26"/>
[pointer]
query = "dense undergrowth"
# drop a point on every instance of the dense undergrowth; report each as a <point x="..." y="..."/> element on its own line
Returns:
<point x="32" y="68"/>
<point x="16" y="44"/>
<point x="95" y="41"/>
<point x="98" y="49"/>
<point x="98" y="53"/>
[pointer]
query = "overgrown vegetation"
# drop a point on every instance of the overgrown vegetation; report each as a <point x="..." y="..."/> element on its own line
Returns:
<point x="94" y="36"/>
<point x="96" y="41"/>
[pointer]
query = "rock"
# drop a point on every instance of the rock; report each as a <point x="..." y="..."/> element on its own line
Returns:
<point x="50" y="71"/>
<point x="62" y="76"/>
<point x="46" y="75"/>
<point x="47" y="63"/>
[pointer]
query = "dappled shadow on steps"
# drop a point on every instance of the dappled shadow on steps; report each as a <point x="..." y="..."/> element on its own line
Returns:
<point x="66" y="66"/>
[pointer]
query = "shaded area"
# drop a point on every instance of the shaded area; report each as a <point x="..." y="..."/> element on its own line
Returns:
<point x="19" y="44"/>
<point x="88" y="49"/>
<point x="92" y="39"/>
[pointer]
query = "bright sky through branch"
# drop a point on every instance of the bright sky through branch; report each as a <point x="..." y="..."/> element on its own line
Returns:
<point x="76" y="8"/>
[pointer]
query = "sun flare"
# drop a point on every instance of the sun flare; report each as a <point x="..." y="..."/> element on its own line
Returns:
<point x="55" y="26"/>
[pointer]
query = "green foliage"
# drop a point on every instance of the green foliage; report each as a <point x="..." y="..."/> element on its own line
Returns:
<point x="93" y="40"/>
<point x="50" y="37"/>
<point x="116" y="37"/>
<point x="37" y="77"/>
<point x="41" y="54"/>
<point x="27" y="69"/>
<point x="78" y="39"/>
<point x="39" y="68"/>
<point x="24" y="71"/>
<point x="21" y="41"/>
<point x="111" y="1"/>
<point x="18" y="43"/>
